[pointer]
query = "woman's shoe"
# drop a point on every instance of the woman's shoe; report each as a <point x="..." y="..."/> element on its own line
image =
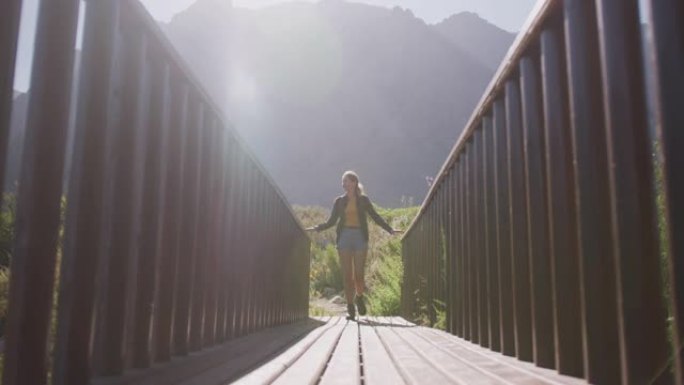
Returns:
<point x="361" y="304"/>
<point x="352" y="312"/>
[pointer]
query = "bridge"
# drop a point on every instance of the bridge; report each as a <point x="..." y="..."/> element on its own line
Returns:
<point x="552" y="238"/>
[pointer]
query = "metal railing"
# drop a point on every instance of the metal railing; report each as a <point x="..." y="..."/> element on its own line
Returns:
<point x="174" y="237"/>
<point x="540" y="235"/>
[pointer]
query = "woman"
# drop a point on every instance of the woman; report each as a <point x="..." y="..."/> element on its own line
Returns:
<point x="349" y="213"/>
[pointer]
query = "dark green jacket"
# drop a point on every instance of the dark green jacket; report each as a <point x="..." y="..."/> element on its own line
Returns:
<point x="364" y="208"/>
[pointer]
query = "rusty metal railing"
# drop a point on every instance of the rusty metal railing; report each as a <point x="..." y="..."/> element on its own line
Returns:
<point x="540" y="234"/>
<point x="175" y="238"/>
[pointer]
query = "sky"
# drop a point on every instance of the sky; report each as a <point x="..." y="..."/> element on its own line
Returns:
<point x="507" y="14"/>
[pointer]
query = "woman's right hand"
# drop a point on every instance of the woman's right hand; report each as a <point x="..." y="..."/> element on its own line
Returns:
<point x="310" y="229"/>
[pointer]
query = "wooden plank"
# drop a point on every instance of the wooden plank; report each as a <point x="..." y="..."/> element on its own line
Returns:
<point x="220" y="364"/>
<point x="451" y="366"/>
<point x="309" y="367"/>
<point x="345" y="366"/>
<point x="269" y="371"/>
<point x="251" y="359"/>
<point x="378" y="367"/>
<point x="413" y="367"/>
<point x="393" y="321"/>
<point x="507" y="368"/>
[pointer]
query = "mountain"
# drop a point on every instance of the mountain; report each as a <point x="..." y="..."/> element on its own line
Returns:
<point x="476" y="36"/>
<point x="317" y="89"/>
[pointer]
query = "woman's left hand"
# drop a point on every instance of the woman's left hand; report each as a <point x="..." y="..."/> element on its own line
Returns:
<point x="397" y="231"/>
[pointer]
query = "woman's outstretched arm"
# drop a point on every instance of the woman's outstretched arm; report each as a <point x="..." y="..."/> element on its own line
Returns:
<point x="377" y="218"/>
<point x="334" y="215"/>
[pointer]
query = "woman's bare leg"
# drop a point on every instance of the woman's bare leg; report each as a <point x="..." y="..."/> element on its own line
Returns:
<point x="346" y="260"/>
<point x="359" y="273"/>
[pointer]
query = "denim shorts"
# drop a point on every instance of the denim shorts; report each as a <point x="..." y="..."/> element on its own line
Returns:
<point x="351" y="240"/>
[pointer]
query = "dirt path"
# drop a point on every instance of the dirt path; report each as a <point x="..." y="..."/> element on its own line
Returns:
<point x="328" y="306"/>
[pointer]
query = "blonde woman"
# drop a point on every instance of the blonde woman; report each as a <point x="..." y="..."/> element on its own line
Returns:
<point x="350" y="212"/>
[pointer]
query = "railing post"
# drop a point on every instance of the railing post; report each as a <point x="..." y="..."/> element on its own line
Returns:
<point x="122" y="197"/>
<point x="148" y="251"/>
<point x="537" y="225"/>
<point x="468" y="272"/>
<point x="449" y="232"/>
<point x="216" y="210"/>
<point x="40" y="189"/>
<point x="236" y="254"/>
<point x="172" y="218"/>
<point x="503" y="229"/>
<point x="242" y="255"/>
<point x="479" y="240"/>
<point x="450" y="236"/>
<point x="460" y="262"/>
<point x="666" y="26"/>
<point x="189" y="217"/>
<point x="431" y="246"/>
<point x="518" y="215"/>
<point x="260" y="289"/>
<point x="200" y="281"/>
<point x="491" y="249"/>
<point x="82" y="253"/>
<point x="230" y="236"/>
<point x="9" y="38"/>
<point x="634" y="236"/>
<point x="602" y="353"/>
<point x="562" y="212"/>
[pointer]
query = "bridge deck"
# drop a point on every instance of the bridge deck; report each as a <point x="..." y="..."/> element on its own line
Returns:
<point x="332" y="350"/>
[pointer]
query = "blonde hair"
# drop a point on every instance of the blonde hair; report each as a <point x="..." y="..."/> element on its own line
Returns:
<point x="351" y="175"/>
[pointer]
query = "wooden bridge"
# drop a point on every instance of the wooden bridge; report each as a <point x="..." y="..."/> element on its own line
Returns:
<point x="552" y="239"/>
<point x="332" y="350"/>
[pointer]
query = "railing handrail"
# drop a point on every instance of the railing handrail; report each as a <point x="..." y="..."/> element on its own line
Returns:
<point x="221" y="114"/>
<point x="507" y="66"/>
